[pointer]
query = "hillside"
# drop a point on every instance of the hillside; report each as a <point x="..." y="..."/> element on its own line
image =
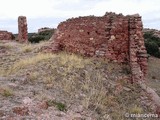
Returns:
<point x="153" y="73"/>
<point x="152" y="41"/>
<point x="38" y="85"/>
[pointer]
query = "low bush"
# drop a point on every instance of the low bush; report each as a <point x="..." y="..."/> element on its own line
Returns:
<point x="152" y="44"/>
<point x="36" y="39"/>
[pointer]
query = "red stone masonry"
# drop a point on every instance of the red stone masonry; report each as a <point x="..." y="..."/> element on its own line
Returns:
<point x="4" y="35"/>
<point x="113" y="36"/>
<point x="22" y="29"/>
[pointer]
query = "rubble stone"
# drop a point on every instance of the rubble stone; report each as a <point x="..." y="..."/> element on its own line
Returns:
<point x="21" y="110"/>
<point x="5" y="35"/>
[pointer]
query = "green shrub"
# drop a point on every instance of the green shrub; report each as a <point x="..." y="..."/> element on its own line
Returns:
<point x="149" y="37"/>
<point x="36" y="39"/>
<point x="152" y="44"/>
<point x="152" y="49"/>
<point x="44" y="35"/>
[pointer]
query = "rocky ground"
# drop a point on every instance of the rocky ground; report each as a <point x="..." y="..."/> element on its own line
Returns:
<point x="35" y="85"/>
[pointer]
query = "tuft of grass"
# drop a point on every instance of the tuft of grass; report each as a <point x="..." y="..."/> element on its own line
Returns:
<point x="27" y="48"/>
<point x="60" y="106"/>
<point x="47" y="80"/>
<point x="136" y="110"/>
<point x="33" y="76"/>
<point x="6" y="92"/>
<point x="2" y="72"/>
<point x="30" y="61"/>
<point x="73" y="60"/>
<point x="98" y="96"/>
<point x="5" y="46"/>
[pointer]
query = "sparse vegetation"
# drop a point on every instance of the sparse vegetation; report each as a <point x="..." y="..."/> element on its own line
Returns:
<point x="153" y="73"/>
<point x="136" y="110"/>
<point x="29" y="61"/>
<point x="27" y="48"/>
<point x="6" y="92"/>
<point x="33" y="76"/>
<point x="66" y="81"/>
<point x="60" y="106"/>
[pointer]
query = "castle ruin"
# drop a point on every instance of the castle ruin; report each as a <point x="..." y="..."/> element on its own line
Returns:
<point x="113" y="36"/>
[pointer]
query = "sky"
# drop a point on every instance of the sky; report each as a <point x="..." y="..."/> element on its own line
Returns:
<point x="49" y="13"/>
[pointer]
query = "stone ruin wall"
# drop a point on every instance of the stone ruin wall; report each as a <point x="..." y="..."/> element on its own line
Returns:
<point x="95" y="36"/>
<point x="113" y="36"/>
<point x="22" y="29"/>
<point x="5" y="35"/>
<point x="137" y="50"/>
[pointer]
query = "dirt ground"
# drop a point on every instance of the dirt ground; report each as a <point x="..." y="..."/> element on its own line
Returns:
<point x="42" y="86"/>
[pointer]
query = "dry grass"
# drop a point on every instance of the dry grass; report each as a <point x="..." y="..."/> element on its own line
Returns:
<point x="72" y="60"/>
<point x="79" y="80"/>
<point x="85" y="80"/>
<point x="33" y="76"/>
<point x="2" y="72"/>
<point x="6" y="92"/>
<point x="6" y="46"/>
<point x="154" y="68"/>
<point x="33" y="47"/>
<point x="29" y="61"/>
<point x="153" y="73"/>
<point x="136" y="110"/>
<point x="27" y="48"/>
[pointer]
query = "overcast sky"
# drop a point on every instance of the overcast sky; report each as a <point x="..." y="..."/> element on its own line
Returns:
<point x="49" y="13"/>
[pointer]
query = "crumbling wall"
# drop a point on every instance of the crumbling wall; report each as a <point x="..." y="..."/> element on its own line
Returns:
<point x="137" y="50"/>
<point x="113" y="36"/>
<point x="5" y="35"/>
<point x="22" y="29"/>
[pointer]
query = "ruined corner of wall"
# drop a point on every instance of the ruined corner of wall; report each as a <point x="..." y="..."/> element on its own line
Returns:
<point x="113" y="36"/>
<point x="137" y="50"/>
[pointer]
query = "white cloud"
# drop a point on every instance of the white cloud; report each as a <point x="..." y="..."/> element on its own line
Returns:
<point x="30" y="8"/>
<point x="53" y="9"/>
